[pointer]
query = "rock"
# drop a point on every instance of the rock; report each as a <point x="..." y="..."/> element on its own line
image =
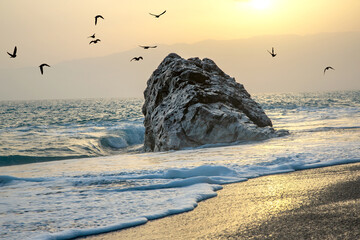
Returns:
<point x="189" y="103"/>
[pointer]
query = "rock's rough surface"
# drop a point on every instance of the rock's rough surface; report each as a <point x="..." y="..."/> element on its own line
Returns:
<point x="192" y="102"/>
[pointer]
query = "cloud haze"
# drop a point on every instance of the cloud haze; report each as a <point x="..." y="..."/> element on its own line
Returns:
<point x="297" y="67"/>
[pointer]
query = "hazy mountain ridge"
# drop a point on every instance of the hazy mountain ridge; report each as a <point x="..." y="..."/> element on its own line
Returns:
<point x="297" y="67"/>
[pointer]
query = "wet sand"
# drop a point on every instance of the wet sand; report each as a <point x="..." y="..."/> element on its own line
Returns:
<point x="321" y="203"/>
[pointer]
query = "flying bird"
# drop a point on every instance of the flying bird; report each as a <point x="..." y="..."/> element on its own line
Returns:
<point x="42" y="67"/>
<point x="13" y="55"/>
<point x="327" y="68"/>
<point x="96" y="18"/>
<point x="92" y="36"/>
<point x="147" y="47"/>
<point x="95" y="41"/>
<point x="272" y="53"/>
<point x="157" y="16"/>
<point x="137" y="58"/>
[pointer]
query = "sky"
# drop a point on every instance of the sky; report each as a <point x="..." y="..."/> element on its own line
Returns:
<point x="57" y="31"/>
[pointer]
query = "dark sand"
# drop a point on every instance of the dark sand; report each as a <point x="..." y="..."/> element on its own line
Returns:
<point x="319" y="203"/>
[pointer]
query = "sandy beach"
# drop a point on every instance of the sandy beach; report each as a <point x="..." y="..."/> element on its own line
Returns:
<point x="318" y="203"/>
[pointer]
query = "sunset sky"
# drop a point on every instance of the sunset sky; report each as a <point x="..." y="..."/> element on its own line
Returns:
<point x="56" y="31"/>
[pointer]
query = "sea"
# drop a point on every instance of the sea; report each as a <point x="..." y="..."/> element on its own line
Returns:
<point x="72" y="168"/>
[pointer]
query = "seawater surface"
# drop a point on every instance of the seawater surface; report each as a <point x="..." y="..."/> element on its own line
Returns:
<point x="33" y="131"/>
<point x="102" y="182"/>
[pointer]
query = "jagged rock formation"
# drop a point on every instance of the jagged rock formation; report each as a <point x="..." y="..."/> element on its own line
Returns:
<point x="192" y="102"/>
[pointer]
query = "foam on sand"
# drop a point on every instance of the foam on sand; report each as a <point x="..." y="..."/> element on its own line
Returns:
<point x="186" y="187"/>
<point x="190" y="187"/>
<point x="74" y="233"/>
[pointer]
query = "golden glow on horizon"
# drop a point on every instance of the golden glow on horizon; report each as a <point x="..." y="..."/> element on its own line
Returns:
<point x="255" y="4"/>
<point x="260" y="4"/>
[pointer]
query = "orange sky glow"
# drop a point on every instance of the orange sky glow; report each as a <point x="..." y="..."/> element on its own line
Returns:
<point x="58" y="29"/>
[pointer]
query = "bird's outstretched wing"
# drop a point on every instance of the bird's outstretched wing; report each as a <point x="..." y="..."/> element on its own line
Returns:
<point x="158" y="15"/>
<point x="136" y="58"/>
<point x="272" y="53"/>
<point x="13" y="55"/>
<point x="327" y="68"/>
<point x="146" y="47"/>
<point x="96" y="18"/>
<point x="42" y="67"/>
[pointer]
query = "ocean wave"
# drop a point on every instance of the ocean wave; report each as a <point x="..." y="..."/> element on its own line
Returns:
<point x="98" y="182"/>
<point x="84" y="197"/>
<point x="37" y="131"/>
<point x="205" y="170"/>
<point x="304" y="101"/>
<point x="24" y="159"/>
<point x="127" y="135"/>
<point x="326" y="129"/>
<point x="187" y="177"/>
<point x="73" y="143"/>
<point x="197" y="184"/>
<point x="181" y="183"/>
<point x="5" y="180"/>
<point x="182" y="177"/>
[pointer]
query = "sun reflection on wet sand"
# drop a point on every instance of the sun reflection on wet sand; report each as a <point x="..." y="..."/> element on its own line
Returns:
<point x="247" y="210"/>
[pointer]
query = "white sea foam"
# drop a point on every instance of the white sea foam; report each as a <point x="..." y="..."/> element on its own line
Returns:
<point x="79" y="197"/>
<point x="74" y="233"/>
<point x="102" y="198"/>
<point x="124" y="135"/>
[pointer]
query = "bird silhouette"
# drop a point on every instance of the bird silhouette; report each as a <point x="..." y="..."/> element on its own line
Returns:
<point x="147" y="47"/>
<point x="157" y="16"/>
<point x="327" y="68"/>
<point x="42" y="67"/>
<point x="92" y="36"/>
<point x="137" y="58"/>
<point x="95" y="41"/>
<point x="272" y="53"/>
<point x="96" y="18"/>
<point x="13" y="55"/>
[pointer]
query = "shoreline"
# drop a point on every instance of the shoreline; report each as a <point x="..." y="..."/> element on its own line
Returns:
<point x="319" y="203"/>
